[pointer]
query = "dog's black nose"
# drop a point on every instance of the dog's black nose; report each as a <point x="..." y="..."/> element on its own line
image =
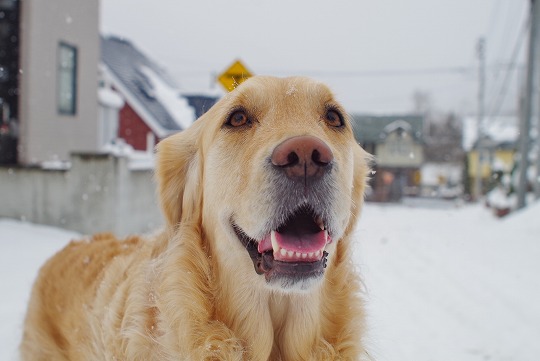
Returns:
<point x="303" y="158"/>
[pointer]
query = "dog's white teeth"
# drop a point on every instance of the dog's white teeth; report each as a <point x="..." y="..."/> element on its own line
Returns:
<point x="325" y="236"/>
<point x="275" y="245"/>
<point x="285" y="253"/>
<point x="297" y="255"/>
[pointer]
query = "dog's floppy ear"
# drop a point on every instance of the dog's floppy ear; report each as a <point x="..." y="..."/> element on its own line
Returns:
<point x="178" y="173"/>
<point x="362" y="165"/>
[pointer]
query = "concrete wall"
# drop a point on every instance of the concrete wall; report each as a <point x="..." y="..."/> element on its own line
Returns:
<point x="99" y="193"/>
<point x="44" y="133"/>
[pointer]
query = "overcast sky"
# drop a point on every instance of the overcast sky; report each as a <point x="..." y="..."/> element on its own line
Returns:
<point x="373" y="53"/>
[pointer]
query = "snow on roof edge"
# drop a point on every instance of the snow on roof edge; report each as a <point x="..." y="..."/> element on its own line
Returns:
<point x="176" y="105"/>
<point x="499" y="128"/>
<point x="135" y="104"/>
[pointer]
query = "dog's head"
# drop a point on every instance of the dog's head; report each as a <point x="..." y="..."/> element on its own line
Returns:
<point x="274" y="177"/>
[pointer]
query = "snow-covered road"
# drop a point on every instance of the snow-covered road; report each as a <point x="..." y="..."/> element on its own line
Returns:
<point x="451" y="284"/>
<point x="442" y="283"/>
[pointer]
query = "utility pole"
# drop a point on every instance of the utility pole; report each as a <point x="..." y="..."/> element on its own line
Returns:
<point x="536" y="181"/>
<point x="480" y="50"/>
<point x="525" y="123"/>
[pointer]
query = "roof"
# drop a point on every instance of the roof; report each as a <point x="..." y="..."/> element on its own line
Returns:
<point x="501" y="132"/>
<point x="375" y="128"/>
<point x="146" y="87"/>
<point x="494" y="144"/>
<point x="201" y="103"/>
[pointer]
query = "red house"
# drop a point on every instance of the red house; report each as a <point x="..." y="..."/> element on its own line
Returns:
<point x="153" y="107"/>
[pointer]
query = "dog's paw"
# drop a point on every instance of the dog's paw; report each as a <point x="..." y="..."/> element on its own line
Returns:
<point x="220" y="344"/>
<point x="222" y="350"/>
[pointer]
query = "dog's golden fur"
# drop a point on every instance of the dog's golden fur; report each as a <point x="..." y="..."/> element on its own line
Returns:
<point x="190" y="293"/>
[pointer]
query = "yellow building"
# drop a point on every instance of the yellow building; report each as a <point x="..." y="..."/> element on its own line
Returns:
<point x="495" y="157"/>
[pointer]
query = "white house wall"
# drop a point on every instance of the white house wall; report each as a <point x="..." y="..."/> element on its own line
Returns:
<point x="399" y="151"/>
<point x="46" y="134"/>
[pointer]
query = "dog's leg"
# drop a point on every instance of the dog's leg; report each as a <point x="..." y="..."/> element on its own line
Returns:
<point x="342" y="290"/>
<point x="186" y="301"/>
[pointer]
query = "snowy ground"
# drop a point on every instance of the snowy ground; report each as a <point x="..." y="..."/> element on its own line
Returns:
<point x="444" y="282"/>
<point x="23" y="249"/>
<point x="451" y="284"/>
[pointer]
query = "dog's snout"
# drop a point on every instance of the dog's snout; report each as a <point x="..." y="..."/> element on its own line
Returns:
<point x="303" y="158"/>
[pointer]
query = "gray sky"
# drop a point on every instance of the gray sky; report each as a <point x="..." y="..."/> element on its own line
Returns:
<point x="373" y="53"/>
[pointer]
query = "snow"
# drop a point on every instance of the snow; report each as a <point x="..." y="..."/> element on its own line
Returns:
<point x="119" y="148"/>
<point x="449" y="284"/>
<point x="137" y="160"/>
<point x="176" y="105"/>
<point x="500" y="129"/>
<point x="398" y="124"/>
<point x="434" y="173"/>
<point x="55" y="164"/>
<point x="444" y="281"/>
<point x="499" y="198"/>
<point x="110" y="98"/>
<point x="24" y="247"/>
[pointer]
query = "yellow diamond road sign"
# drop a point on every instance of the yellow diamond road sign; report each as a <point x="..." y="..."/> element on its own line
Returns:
<point x="234" y="76"/>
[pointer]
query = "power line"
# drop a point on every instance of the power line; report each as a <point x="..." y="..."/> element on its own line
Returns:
<point x="505" y="27"/>
<point x="493" y="14"/>
<point x="497" y="102"/>
<point x="352" y="73"/>
<point x="377" y="72"/>
<point x="461" y="70"/>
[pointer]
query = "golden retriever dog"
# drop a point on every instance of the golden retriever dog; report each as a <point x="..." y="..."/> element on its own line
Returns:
<point x="261" y="196"/>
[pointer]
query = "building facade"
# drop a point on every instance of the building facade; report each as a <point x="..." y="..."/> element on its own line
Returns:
<point x="9" y="75"/>
<point x="58" y="52"/>
<point x="397" y="144"/>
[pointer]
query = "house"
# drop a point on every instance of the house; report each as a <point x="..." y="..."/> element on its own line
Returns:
<point x="396" y="141"/>
<point x="62" y="112"/>
<point x="495" y="155"/>
<point x="49" y="53"/>
<point x="153" y="107"/>
<point x="50" y="105"/>
<point x="498" y="146"/>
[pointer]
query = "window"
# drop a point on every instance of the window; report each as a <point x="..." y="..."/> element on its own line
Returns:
<point x="67" y="79"/>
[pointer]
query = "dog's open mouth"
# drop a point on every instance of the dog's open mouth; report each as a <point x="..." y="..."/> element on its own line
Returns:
<point x="294" y="251"/>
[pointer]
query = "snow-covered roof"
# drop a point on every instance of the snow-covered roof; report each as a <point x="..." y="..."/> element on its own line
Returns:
<point x="500" y="130"/>
<point x="177" y="106"/>
<point x="146" y="87"/>
<point x="398" y="124"/>
<point x="375" y="128"/>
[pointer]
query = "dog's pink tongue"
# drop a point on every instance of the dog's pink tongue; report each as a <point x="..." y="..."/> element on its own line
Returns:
<point x="295" y="247"/>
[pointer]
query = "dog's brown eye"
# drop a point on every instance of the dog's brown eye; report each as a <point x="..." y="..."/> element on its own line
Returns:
<point x="333" y="118"/>
<point x="238" y="119"/>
